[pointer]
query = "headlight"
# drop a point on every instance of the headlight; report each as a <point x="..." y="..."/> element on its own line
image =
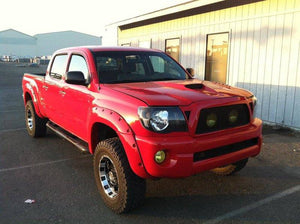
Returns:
<point x="162" y="119"/>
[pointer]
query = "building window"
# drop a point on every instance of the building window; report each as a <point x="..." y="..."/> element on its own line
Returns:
<point x="216" y="57"/>
<point x="173" y="48"/>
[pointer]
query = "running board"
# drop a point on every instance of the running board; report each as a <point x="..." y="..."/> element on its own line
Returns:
<point x="81" y="145"/>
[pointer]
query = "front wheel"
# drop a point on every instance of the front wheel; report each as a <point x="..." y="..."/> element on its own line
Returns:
<point x="120" y="189"/>
<point x="35" y="125"/>
<point x="231" y="168"/>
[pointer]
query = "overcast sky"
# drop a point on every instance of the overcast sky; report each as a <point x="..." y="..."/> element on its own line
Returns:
<point x="87" y="16"/>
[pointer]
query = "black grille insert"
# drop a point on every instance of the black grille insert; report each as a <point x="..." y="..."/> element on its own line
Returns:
<point x="219" y="118"/>
<point x="223" y="150"/>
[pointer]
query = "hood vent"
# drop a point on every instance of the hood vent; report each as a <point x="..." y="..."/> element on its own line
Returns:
<point x="195" y="86"/>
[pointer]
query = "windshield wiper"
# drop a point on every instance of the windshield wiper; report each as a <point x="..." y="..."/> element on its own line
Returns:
<point x="165" y="79"/>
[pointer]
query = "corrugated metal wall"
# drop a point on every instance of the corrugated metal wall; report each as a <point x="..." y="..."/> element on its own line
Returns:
<point x="264" y="51"/>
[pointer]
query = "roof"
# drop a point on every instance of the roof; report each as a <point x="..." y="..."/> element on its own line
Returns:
<point x="18" y="32"/>
<point x="63" y="32"/>
<point x="186" y="9"/>
<point x="167" y="11"/>
<point x="100" y="48"/>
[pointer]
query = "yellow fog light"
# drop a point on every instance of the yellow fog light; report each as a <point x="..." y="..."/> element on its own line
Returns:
<point x="233" y="116"/>
<point x="160" y="156"/>
<point x="211" y="120"/>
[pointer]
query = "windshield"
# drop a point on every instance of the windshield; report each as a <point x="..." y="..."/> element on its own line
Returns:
<point x="125" y="67"/>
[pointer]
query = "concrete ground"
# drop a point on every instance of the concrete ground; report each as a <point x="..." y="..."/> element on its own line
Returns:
<point x="60" y="179"/>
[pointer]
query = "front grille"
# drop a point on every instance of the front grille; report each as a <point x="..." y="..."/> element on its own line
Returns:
<point x="220" y="118"/>
<point x="223" y="150"/>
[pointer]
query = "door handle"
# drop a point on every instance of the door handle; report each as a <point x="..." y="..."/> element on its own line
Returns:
<point x="61" y="92"/>
<point x="45" y="87"/>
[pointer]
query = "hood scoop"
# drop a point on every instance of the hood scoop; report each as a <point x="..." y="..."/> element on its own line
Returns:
<point x="195" y="86"/>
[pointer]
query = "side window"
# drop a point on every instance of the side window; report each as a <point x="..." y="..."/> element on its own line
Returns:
<point x="78" y="64"/>
<point x="165" y="66"/>
<point x="59" y="66"/>
<point x="158" y="64"/>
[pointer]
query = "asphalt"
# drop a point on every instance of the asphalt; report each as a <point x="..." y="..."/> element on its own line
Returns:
<point x="60" y="179"/>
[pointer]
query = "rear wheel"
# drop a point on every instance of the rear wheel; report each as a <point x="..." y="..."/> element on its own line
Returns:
<point x="231" y="168"/>
<point x="120" y="189"/>
<point x="35" y="125"/>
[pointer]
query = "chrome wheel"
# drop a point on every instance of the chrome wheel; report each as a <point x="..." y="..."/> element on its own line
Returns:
<point x="29" y="119"/>
<point x="108" y="177"/>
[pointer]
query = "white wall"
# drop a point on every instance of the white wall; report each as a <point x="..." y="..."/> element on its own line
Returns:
<point x="110" y="37"/>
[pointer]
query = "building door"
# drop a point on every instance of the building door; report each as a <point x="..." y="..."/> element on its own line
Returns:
<point x="216" y="57"/>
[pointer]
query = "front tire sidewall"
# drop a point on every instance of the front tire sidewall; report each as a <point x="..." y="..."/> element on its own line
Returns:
<point x="119" y="201"/>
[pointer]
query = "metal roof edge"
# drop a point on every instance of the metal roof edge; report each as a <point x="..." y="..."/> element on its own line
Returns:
<point x="165" y="11"/>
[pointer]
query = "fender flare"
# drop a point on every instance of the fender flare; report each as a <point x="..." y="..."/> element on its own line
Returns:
<point x="31" y="93"/>
<point x="116" y="122"/>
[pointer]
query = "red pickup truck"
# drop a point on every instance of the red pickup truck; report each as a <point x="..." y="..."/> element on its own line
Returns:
<point x="142" y="115"/>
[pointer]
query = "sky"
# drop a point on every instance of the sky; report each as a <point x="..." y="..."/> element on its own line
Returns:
<point x="86" y="16"/>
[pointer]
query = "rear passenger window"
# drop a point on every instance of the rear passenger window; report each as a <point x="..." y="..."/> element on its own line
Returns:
<point x="78" y="64"/>
<point x="59" y="66"/>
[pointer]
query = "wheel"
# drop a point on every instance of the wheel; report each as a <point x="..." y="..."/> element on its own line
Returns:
<point x="231" y="168"/>
<point x="35" y="125"/>
<point x="120" y="189"/>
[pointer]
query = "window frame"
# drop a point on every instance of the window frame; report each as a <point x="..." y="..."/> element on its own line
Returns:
<point x="88" y="79"/>
<point x="58" y="76"/>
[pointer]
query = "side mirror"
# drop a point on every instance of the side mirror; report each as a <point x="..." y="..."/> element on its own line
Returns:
<point x="191" y="71"/>
<point x="76" y="78"/>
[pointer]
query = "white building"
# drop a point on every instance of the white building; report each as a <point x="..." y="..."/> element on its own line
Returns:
<point x="253" y="44"/>
<point x="15" y="43"/>
<point x="47" y="43"/>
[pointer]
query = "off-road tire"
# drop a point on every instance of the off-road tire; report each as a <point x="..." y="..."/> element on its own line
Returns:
<point x="130" y="188"/>
<point x="231" y="168"/>
<point x="35" y="125"/>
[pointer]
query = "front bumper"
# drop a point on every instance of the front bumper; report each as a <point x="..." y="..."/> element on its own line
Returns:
<point x="182" y="153"/>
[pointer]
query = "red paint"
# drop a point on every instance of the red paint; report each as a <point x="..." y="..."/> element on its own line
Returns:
<point x="78" y="109"/>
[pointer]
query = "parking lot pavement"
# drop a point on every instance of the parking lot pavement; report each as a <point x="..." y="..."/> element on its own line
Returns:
<point x="60" y="179"/>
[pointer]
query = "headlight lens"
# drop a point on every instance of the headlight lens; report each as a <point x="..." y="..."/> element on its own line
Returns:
<point x="162" y="119"/>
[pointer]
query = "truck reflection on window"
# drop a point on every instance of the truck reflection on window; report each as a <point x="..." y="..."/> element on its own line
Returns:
<point x="216" y="57"/>
<point x="173" y="48"/>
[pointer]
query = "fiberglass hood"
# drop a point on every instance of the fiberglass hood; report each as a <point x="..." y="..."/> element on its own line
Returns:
<point x="178" y="92"/>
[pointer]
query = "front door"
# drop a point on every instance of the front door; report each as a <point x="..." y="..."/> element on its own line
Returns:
<point x="77" y="100"/>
